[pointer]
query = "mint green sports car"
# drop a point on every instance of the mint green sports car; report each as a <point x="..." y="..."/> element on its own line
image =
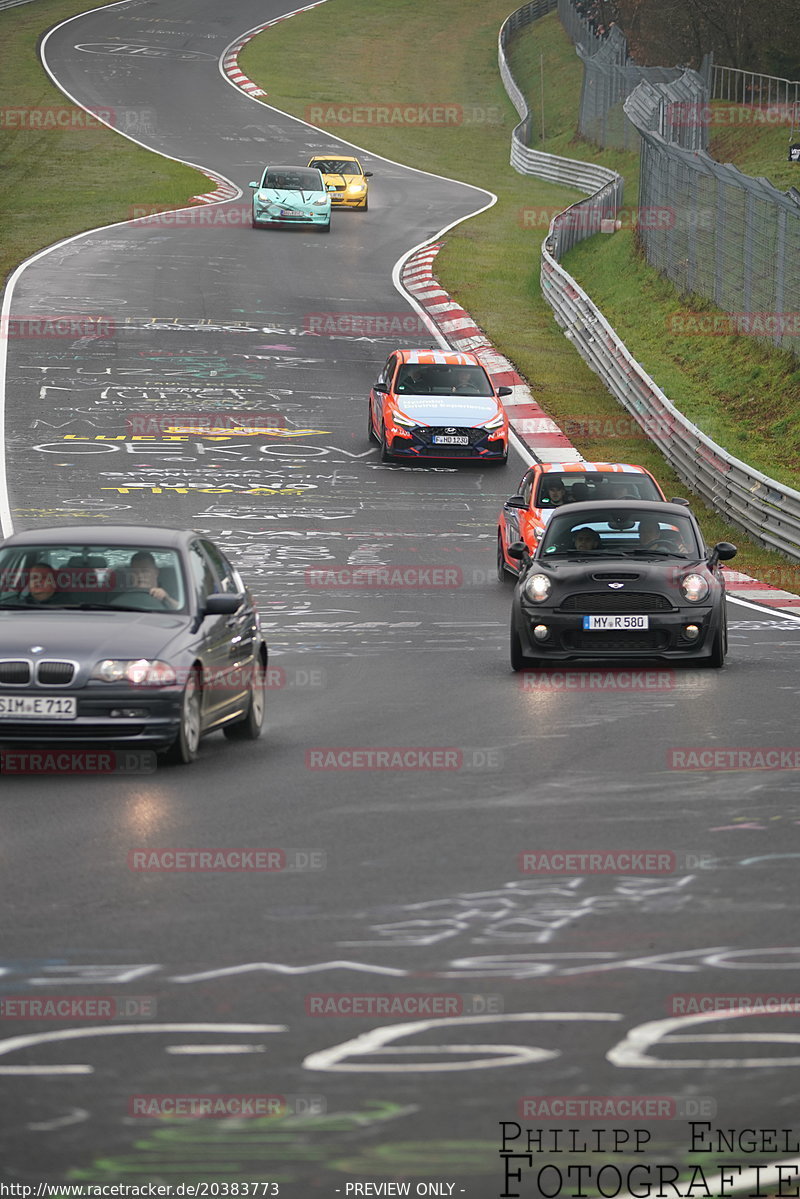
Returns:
<point x="292" y="196"/>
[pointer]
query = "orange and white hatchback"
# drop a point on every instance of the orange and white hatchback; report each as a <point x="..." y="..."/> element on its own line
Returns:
<point x="547" y="486"/>
<point x="438" y="404"/>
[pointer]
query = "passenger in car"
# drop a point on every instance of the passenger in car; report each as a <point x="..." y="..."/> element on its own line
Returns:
<point x="586" y="539"/>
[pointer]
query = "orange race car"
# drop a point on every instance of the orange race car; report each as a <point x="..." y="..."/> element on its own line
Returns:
<point x="437" y="404"/>
<point x="547" y="486"/>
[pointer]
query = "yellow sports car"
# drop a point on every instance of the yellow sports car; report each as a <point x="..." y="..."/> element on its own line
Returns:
<point x="348" y="176"/>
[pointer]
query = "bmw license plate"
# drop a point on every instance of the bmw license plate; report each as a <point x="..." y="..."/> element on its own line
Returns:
<point x="613" y="624"/>
<point x="444" y="439"/>
<point x="39" y="707"/>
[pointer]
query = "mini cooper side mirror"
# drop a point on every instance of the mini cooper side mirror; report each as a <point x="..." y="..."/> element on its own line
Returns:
<point x="505" y="391"/>
<point x="516" y="501"/>
<point x="723" y="551"/>
<point x="518" y="550"/>
<point x="678" y="499"/>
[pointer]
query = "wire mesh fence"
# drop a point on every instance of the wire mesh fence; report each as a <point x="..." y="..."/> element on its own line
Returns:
<point x="733" y="239"/>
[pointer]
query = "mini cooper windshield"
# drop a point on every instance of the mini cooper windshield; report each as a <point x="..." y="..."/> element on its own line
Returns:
<point x="619" y="533"/>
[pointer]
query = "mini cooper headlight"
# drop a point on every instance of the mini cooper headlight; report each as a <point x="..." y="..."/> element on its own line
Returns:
<point x="694" y="588"/>
<point x="537" y="588"/>
<point x="142" y="672"/>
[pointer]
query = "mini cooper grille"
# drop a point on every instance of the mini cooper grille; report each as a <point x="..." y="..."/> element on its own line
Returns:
<point x="15" y="673"/>
<point x="55" y="674"/>
<point x="642" y="642"/>
<point x="616" y="601"/>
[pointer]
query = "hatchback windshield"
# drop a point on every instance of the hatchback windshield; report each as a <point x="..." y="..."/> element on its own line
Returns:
<point x="141" y="578"/>
<point x="626" y="533"/>
<point x="574" y="487"/>
<point x="440" y="379"/>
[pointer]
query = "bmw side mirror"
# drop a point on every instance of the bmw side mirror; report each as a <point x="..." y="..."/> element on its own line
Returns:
<point x="723" y="551"/>
<point x="505" y="391"/>
<point x="224" y="604"/>
<point x="516" y="501"/>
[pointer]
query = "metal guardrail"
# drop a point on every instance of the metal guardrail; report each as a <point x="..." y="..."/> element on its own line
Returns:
<point x="762" y="507"/>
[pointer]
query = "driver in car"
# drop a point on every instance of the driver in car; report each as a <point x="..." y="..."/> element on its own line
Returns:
<point x="143" y="575"/>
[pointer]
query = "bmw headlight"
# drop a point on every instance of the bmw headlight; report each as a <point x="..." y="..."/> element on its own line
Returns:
<point x="141" y="672"/>
<point x="694" y="588"/>
<point x="537" y="588"/>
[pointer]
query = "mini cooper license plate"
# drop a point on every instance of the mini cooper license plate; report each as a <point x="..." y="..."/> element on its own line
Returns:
<point x="39" y="707"/>
<point x="604" y="624"/>
<point x="444" y="439"/>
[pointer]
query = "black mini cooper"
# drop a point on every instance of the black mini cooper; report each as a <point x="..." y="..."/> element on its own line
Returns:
<point x="629" y="579"/>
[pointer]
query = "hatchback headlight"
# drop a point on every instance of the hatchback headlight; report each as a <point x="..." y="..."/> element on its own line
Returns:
<point x="320" y="203"/>
<point x="356" y="187"/>
<point x="694" y="588"/>
<point x="495" y="422"/>
<point x="400" y="419"/>
<point x="537" y="588"/>
<point x="141" y="672"/>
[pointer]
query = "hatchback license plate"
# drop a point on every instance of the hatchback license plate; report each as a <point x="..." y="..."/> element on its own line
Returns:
<point x="39" y="707"/>
<point x="600" y="624"/>
<point x="443" y="439"/>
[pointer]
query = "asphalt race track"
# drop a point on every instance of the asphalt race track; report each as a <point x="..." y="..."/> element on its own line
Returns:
<point x="409" y="882"/>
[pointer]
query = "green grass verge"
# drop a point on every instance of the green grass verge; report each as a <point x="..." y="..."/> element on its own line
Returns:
<point x="489" y="264"/>
<point x="58" y="181"/>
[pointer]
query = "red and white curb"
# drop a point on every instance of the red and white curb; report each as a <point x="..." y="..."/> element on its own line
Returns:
<point x="230" y="63"/>
<point x="534" y="427"/>
<point x="225" y="190"/>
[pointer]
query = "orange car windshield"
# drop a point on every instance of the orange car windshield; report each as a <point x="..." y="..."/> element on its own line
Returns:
<point x="440" y="379"/>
